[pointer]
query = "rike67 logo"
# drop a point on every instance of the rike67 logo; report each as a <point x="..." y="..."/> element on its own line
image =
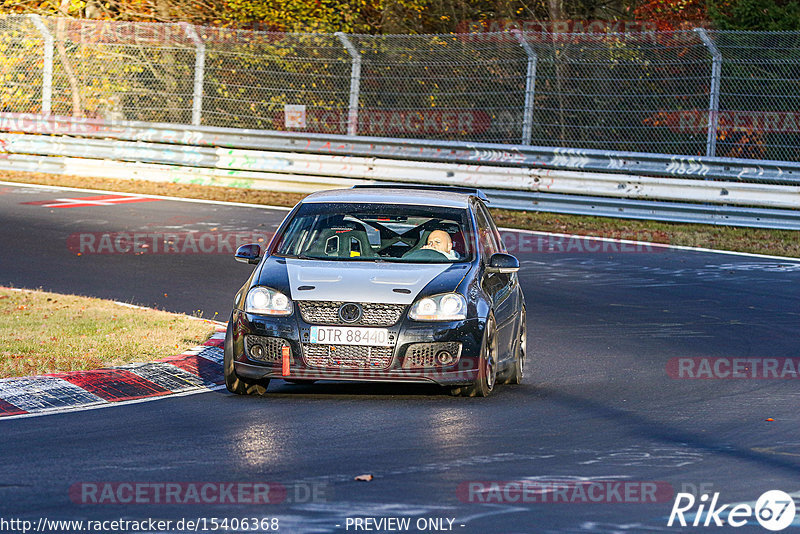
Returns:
<point x="774" y="510"/>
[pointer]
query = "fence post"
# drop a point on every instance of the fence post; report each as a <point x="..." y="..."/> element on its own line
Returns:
<point x="530" y="87"/>
<point x="199" y="72"/>
<point x="355" y="83"/>
<point x="713" y="105"/>
<point x="47" y="68"/>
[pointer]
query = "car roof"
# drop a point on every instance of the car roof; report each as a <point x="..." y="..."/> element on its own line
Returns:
<point x="390" y="195"/>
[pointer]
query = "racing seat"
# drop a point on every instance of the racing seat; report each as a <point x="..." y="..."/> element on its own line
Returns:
<point x="459" y="244"/>
<point x="344" y="240"/>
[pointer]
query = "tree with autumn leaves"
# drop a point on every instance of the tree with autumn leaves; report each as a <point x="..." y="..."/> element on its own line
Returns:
<point x="750" y="15"/>
<point x="129" y="72"/>
<point x="421" y="16"/>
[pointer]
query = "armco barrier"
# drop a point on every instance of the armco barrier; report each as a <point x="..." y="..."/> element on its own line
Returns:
<point x="645" y="209"/>
<point x="711" y="190"/>
<point x="517" y="200"/>
<point x="639" y="163"/>
<point x="393" y="170"/>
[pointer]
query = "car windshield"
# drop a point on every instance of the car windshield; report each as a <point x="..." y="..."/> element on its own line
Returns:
<point x="377" y="232"/>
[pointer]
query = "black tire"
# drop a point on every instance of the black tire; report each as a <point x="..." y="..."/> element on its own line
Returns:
<point x="487" y="373"/>
<point x="234" y="382"/>
<point x="517" y="372"/>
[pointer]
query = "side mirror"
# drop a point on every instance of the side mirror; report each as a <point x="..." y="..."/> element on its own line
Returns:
<point x="502" y="263"/>
<point x="250" y="253"/>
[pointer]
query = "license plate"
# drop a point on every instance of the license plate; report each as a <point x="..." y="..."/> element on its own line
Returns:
<point x="350" y="335"/>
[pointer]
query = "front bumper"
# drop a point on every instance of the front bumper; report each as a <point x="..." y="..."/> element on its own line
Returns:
<point x="392" y="366"/>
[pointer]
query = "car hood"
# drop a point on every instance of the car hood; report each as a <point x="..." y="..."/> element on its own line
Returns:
<point x="357" y="281"/>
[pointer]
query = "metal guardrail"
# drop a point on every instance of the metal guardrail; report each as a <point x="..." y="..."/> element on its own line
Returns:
<point x="124" y="170"/>
<point x="710" y="190"/>
<point x="518" y="177"/>
<point x="639" y="163"/>
<point x="515" y="200"/>
<point x="645" y="209"/>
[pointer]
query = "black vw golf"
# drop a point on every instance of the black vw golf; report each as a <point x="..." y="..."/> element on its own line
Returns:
<point x="380" y="283"/>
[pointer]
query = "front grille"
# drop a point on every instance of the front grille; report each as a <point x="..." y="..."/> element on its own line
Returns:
<point x="327" y="312"/>
<point x="270" y="348"/>
<point x="421" y="355"/>
<point x="347" y="356"/>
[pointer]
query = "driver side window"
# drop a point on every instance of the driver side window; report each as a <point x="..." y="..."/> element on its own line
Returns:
<point x="487" y="239"/>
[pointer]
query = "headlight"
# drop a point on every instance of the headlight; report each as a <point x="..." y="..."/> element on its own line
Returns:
<point x="266" y="301"/>
<point x="445" y="307"/>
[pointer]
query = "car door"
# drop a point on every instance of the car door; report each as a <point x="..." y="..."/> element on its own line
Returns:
<point x="500" y="287"/>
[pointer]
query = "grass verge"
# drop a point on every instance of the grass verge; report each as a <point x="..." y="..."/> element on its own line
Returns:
<point x="44" y="332"/>
<point x="752" y="240"/>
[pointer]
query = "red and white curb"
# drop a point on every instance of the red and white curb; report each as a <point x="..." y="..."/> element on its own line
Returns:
<point x="195" y="371"/>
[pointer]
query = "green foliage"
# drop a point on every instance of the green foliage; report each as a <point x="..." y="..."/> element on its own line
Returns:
<point x="756" y="15"/>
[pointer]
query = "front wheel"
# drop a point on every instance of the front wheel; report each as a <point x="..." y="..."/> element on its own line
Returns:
<point x="518" y="370"/>
<point x="487" y="365"/>
<point x="234" y="382"/>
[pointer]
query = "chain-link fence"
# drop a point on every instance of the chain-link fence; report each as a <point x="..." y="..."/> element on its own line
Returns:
<point x="733" y="94"/>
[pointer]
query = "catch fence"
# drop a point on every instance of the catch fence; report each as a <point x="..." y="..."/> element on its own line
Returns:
<point x="691" y="93"/>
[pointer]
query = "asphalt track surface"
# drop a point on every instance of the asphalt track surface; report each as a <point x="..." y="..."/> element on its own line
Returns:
<point x="597" y="404"/>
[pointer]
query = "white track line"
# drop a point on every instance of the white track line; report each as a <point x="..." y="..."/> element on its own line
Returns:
<point x="157" y="197"/>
